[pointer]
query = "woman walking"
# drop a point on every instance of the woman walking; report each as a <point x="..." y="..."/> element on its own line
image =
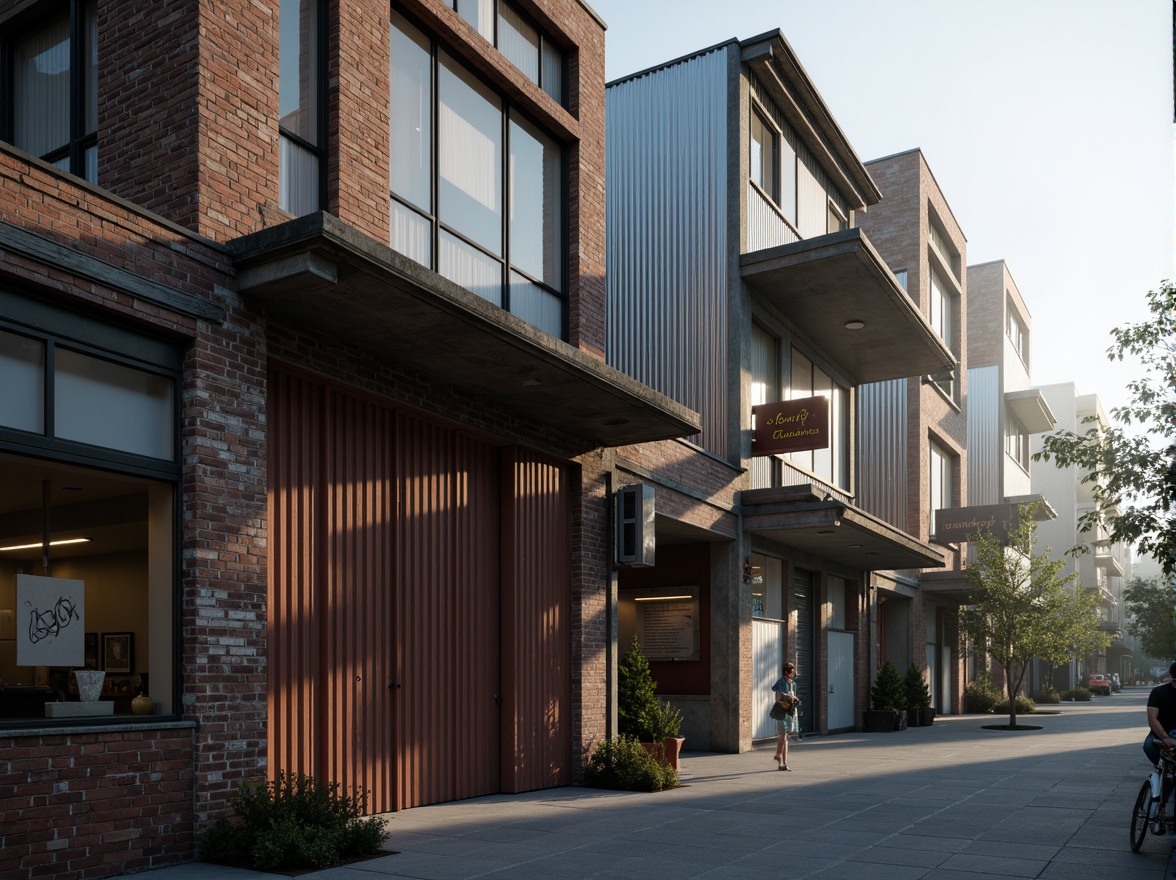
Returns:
<point x="787" y="700"/>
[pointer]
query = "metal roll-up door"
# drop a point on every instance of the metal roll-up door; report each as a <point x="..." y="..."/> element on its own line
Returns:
<point x="804" y="651"/>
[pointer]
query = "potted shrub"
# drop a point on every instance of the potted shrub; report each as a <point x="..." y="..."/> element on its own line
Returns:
<point x="918" y="698"/>
<point x="637" y="709"/>
<point x="666" y="730"/>
<point x="886" y="698"/>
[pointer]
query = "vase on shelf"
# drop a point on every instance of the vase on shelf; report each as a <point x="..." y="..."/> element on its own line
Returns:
<point x="89" y="684"/>
<point x="142" y="704"/>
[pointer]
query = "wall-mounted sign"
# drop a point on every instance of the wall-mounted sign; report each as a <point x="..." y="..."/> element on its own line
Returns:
<point x="956" y="524"/>
<point x="50" y="621"/>
<point x="791" y="426"/>
<point x="668" y="628"/>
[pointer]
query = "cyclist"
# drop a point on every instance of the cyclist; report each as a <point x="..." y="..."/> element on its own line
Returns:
<point x="1161" y="716"/>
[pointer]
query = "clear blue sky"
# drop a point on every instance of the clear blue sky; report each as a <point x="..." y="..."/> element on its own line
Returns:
<point x="1047" y="123"/>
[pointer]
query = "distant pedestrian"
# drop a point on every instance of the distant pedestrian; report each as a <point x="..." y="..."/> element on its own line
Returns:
<point x="786" y="699"/>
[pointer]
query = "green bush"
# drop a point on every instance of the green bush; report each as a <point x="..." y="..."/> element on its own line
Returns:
<point x="1079" y="694"/>
<point x="623" y="763"/>
<point x="918" y="695"/>
<point x="887" y="691"/>
<point x="292" y="823"/>
<point x="1025" y="706"/>
<point x="667" y="722"/>
<point x="1048" y="695"/>
<point x="637" y="709"/>
<point x="981" y="695"/>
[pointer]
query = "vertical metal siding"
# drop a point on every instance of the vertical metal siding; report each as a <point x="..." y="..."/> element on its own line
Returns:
<point x="985" y="441"/>
<point x="882" y="450"/>
<point x="536" y="623"/>
<point x="667" y="213"/>
<point x="359" y="552"/>
<point x="294" y="410"/>
<point x="446" y="615"/>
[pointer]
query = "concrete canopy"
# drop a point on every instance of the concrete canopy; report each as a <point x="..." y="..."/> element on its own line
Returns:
<point x="820" y="284"/>
<point x="834" y="530"/>
<point x="319" y="272"/>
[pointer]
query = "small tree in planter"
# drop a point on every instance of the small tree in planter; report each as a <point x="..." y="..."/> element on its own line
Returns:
<point x="666" y="730"/>
<point x="887" y="701"/>
<point x="637" y="709"/>
<point x="918" y="698"/>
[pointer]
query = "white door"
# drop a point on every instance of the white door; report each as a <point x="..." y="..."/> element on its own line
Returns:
<point x="767" y="647"/>
<point x="841" y="680"/>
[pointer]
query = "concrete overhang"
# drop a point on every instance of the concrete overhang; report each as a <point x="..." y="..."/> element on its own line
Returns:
<point x="320" y="272"/>
<point x="1031" y="410"/>
<point x="946" y="587"/>
<point x="820" y="284"/>
<point x="834" y="530"/>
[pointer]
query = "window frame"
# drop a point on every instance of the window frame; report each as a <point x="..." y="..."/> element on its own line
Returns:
<point x="770" y="159"/>
<point x="80" y="140"/>
<point x="945" y="479"/>
<point x="508" y="111"/>
<point x="322" y="129"/>
<point x="545" y="39"/>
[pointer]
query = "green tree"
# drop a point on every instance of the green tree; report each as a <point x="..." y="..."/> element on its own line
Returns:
<point x="1149" y="604"/>
<point x="1075" y="632"/>
<point x="1132" y="478"/>
<point x="637" y="708"/>
<point x="1018" y="599"/>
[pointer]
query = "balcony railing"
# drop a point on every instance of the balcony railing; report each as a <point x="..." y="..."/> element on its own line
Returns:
<point x="766" y="226"/>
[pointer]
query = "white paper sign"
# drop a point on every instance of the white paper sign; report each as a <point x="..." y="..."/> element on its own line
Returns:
<point x="50" y="621"/>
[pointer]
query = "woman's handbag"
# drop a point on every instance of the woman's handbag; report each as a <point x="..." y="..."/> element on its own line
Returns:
<point x="781" y="707"/>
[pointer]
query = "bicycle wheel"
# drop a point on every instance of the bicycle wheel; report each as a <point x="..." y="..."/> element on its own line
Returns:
<point x="1139" y="816"/>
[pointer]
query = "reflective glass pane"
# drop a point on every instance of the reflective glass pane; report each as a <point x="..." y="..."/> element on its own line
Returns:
<point x="518" y="41"/>
<point x="552" y="77"/>
<point x="91" y="159"/>
<point x="469" y="157"/>
<point x="298" y="65"/>
<point x="479" y="13"/>
<point x="470" y="268"/>
<point x="110" y="405"/>
<point x="22" y="383"/>
<point x="298" y="178"/>
<point x="91" y="74"/>
<point x="40" y="88"/>
<point x="536" y="203"/>
<point x="536" y="306"/>
<point x="411" y="118"/>
<point x="412" y="234"/>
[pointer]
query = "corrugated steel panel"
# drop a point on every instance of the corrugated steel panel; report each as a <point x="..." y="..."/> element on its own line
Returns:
<point x="882" y="450"/>
<point x="446" y="626"/>
<point x="765" y="227"/>
<point x="295" y="412"/>
<point x="985" y="442"/>
<point x="667" y="248"/>
<point x="536" y="623"/>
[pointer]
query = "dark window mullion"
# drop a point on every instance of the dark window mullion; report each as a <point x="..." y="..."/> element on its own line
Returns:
<point x="506" y="184"/>
<point x="77" y="87"/>
<point x="435" y="151"/>
<point x="322" y="70"/>
<point x="50" y="425"/>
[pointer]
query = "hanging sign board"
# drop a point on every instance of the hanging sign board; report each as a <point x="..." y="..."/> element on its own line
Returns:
<point x="956" y="524"/>
<point x="791" y="426"/>
<point x="50" y="621"/>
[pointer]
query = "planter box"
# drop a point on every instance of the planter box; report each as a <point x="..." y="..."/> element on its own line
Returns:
<point x="901" y="722"/>
<point x="926" y="716"/>
<point x="879" y="720"/>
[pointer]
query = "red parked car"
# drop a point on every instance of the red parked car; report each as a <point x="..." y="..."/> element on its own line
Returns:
<point x="1100" y="684"/>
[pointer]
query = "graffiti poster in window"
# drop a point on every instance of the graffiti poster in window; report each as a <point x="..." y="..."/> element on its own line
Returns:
<point x="50" y="621"/>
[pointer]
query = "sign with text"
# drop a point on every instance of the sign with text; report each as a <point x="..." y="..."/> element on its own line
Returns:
<point x="956" y="524"/>
<point x="50" y="621"/>
<point x="791" y="426"/>
<point x="668" y="628"/>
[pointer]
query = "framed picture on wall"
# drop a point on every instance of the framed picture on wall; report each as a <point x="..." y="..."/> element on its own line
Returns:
<point x="91" y="657"/>
<point x="118" y="652"/>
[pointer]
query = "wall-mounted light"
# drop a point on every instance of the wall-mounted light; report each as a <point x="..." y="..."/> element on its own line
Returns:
<point x="60" y="543"/>
<point x="854" y="324"/>
<point x="660" y="598"/>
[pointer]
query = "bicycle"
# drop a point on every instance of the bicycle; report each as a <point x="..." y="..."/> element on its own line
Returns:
<point x="1155" y="796"/>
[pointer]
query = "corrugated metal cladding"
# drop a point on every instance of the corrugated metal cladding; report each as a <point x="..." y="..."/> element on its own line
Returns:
<point x="814" y="189"/>
<point x="388" y="664"/>
<point x="985" y="444"/>
<point x="882" y="450"/>
<point x="666" y="166"/>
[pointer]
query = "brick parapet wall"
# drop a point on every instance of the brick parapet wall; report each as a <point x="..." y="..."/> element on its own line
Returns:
<point x="95" y="804"/>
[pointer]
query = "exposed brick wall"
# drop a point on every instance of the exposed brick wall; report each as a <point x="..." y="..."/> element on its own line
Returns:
<point x="95" y="804"/>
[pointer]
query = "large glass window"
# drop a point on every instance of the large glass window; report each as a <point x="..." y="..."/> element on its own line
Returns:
<point x="942" y="321"/>
<point x="1016" y="441"/>
<point x="763" y="156"/>
<point x="523" y="43"/>
<point x="301" y="164"/>
<point x="940" y="492"/>
<point x="89" y="500"/>
<point x="477" y="189"/>
<point x="809" y="380"/>
<point x="1017" y="333"/>
<point x="54" y="89"/>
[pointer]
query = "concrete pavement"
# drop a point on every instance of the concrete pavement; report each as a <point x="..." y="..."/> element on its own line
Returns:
<point x="948" y="802"/>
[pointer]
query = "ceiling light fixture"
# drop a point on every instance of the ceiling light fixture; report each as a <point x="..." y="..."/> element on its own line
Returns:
<point x="51" y="544"/>
<point x="660" y="598"/>
<point x="854" y="324"/>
